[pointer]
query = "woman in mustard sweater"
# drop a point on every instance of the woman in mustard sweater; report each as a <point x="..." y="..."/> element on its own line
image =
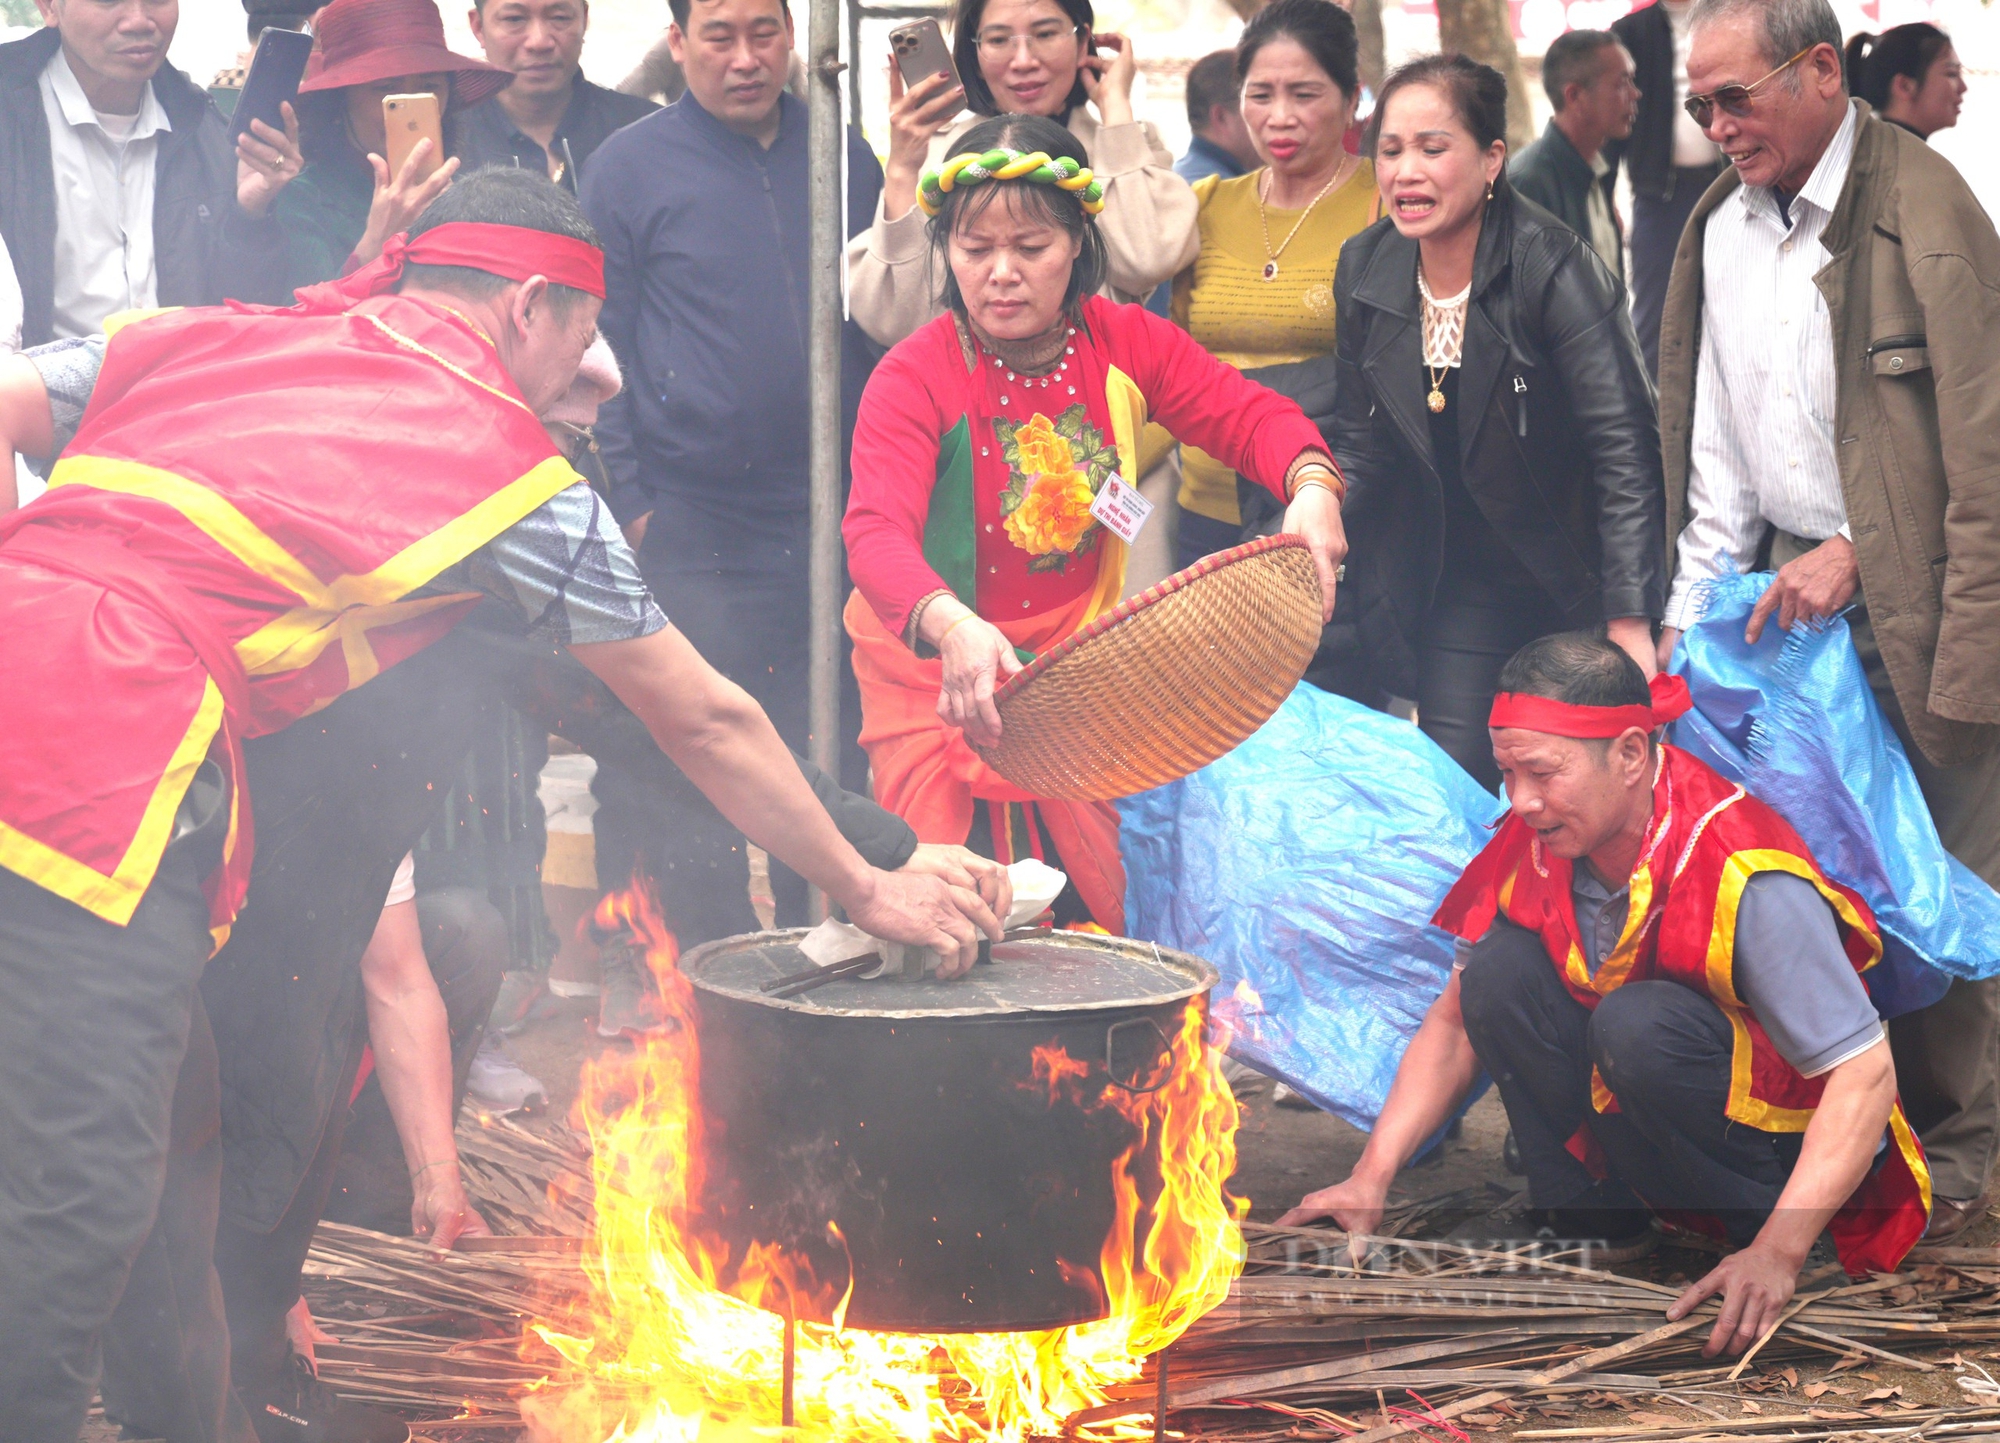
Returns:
<point x="1260" y="292"/>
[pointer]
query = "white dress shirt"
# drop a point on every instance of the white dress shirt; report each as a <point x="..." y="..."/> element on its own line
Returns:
<point x="1763" y="446"/>
<point x="104" y="202"/>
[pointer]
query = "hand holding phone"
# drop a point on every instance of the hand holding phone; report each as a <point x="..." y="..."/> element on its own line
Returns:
<point x="920" y="53"/>
<point x="412" y="176"/>
<point x="276" y="70"/>
<point x="409" y="119"/>
<point x="924" y="95"/>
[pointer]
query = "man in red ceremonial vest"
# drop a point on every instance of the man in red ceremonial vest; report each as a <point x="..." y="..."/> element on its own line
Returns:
<point x="261" y="510"/>
<point x="1669" y="995"/>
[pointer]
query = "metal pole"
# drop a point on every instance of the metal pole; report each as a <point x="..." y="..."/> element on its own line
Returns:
<point x="825" y="142"/>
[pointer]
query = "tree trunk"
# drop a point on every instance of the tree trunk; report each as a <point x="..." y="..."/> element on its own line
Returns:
<point x="1368" y="21"/>
<point x="1479" y="28"/>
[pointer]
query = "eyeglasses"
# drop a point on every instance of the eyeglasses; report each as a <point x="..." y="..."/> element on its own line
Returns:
<point x="1046" y="42"/>
<point x="1735" y="99"/>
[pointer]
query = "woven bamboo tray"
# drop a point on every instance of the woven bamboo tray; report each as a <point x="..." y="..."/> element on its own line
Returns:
<point x="1167" y="681"/>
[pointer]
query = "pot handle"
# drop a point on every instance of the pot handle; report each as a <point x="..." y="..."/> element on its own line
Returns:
<point x="1165" y="1052"/>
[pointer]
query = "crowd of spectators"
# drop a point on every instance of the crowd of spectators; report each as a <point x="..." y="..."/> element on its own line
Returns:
<point x="1478" y="336"/>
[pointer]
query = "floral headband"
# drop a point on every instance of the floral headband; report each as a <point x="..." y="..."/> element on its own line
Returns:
<point x="1004" y="164"/>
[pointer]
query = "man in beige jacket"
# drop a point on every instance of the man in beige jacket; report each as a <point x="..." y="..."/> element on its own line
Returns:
<point x="1830" y="387"/>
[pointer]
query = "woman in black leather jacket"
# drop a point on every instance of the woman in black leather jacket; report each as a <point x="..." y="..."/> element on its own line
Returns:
<point x="1493" y="416"/>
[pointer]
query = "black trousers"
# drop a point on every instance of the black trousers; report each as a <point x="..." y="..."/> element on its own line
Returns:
<point x="1662" y="1048"/>
<point x="1656" y="231"/>
<point x="110" y="1150"/>
<point x="1472" y="630"/>
<point x="742" y="602"/>
<point x="358" y="1175"/>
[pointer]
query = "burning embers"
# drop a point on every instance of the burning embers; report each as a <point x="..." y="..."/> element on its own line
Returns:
<point x="686" y="1337"/>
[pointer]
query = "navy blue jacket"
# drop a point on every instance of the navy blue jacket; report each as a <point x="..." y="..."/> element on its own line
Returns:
<point x="705" y="261"/>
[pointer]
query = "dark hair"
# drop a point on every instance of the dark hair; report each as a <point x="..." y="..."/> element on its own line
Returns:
<point x="1211" y="81"/>
<point x="1571" y="58"/>
<point x="1582" y="668"/>
<point x="1477" y="95"/>
<point x="966" y="16"/>
<point x="679" y="9"/>
<point x="1874" y="61"/>
<point x="500" y="196"/>
<point x="1059" y="207"/>
<point x="1321" y="28"/>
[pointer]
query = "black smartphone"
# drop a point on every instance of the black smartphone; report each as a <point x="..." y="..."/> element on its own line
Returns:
<point x="275" y="72"/>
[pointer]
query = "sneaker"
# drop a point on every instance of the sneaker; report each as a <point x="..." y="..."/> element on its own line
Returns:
<point x="301" y="1409"/>
<point x="627" y="1005"/>
<point x="500" y="1084"/>
<point x="1598" y="1230"/>
<point x="519" y="992"/>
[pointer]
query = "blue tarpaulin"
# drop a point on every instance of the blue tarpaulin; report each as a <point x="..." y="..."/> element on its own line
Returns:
<point x="1306" y="865"/>
<point x="1793" y="719"/>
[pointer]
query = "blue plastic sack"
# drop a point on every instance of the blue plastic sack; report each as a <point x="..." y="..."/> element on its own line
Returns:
<point x="1794" y="721"/>
<point x="1306" y="865"/>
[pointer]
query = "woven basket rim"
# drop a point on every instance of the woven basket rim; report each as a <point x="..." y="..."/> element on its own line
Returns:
<point x="1134" y="604"/>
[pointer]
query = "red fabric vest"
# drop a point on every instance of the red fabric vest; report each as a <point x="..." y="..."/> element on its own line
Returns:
<point x="227" y="546"/>
<point x="1707" y="839"/>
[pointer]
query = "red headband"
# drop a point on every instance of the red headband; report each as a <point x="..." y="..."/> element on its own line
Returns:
<point x="1561" y="719"/>
<point x="509" y="251"/>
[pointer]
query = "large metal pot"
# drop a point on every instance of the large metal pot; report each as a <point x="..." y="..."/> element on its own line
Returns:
<point x="967" y="1196"/>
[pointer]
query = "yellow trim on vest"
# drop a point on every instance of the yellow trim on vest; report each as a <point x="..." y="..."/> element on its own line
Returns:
<point x="208" y="512"/>
<point x="1721" y="976"/>
<point x="119" y="320"/>
<point x="1127" y="405"/>
<point x="1913" y="1155"/>
<point x="345" y="609"/>
<point x="297" y="638"/>
<point x="231" y="839"/>
<point x="116" y="897"/>
<point x="1613" y="970"/>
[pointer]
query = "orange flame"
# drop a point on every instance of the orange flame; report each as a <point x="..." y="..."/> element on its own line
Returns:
<point x="668" y="1356"/>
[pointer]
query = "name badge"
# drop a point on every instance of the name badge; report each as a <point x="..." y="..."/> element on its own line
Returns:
<point x="1122" y="510"/>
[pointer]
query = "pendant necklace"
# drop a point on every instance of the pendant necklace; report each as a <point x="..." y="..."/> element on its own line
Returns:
<point x="1270" y="271"/>
<point x="1443" y="337"/>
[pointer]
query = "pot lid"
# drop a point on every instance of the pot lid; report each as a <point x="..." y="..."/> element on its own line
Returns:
<point x="1053" y="972"/>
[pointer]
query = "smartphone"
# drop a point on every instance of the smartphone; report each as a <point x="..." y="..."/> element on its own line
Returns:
<point x="409" y="119"/>
<point x="920" y="52"/>
<point x="275" y="72"/>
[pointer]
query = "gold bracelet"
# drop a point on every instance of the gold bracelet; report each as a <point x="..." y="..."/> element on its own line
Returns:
<point x="953" y="627"/>
<point x="1318" y="473"/>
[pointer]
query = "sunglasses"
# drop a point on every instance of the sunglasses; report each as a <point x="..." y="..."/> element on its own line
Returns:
<point x="1735" y="99"/>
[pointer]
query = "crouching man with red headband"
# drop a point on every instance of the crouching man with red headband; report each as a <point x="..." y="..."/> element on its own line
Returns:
<point x="1669" y="995"/>
<point x="257" y="511"/>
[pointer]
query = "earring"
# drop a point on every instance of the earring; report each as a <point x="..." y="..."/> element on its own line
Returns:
<point x="1489" y="190"/>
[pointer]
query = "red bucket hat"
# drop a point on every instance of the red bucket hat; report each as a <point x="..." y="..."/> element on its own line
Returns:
<point x="363" y="41"/>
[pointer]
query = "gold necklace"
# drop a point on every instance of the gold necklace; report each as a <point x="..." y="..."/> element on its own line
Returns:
<point x="1437" y="374"/>
<point x="1270" y="271"/>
